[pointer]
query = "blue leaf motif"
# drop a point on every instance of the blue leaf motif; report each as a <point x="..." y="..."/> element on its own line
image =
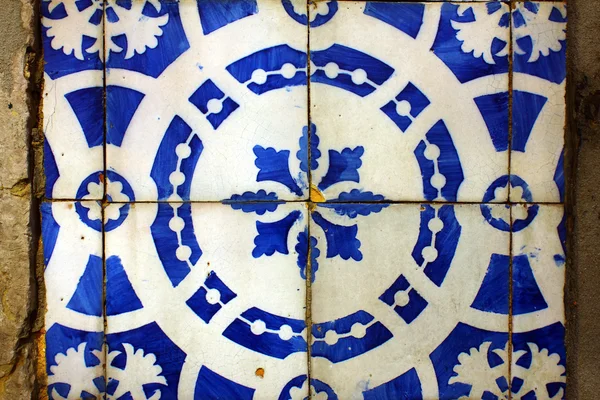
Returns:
<point x="315" y="153"/>
<point x="272" y="236"/>
<point x="353" y="210"/>
<point x="273" y="166"/>
<point x="341" y="240"/>
<point x="259" y="202"/>
<point x="343" y="166"/>
<point x="302" y="250"/>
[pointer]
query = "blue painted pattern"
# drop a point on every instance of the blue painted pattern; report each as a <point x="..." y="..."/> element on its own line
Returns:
<point x="253" y="155"/>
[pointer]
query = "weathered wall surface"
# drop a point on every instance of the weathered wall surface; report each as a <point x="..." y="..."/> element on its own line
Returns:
<point x="583" y="274"/>
<point x="17" y="278"/>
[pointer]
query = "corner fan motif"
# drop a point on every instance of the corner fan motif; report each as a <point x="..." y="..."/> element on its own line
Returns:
<point x="139" y="367"/>
<point x="478" y="37"/>
<point x="128" y="18"/>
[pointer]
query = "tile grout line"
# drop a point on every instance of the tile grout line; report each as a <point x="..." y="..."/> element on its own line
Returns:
<point x="309" y="204"/>
<point x="510" y="208"/>
<point x="510" y="92"/>
<point x="510" y="303"/>
<point x="331" y="202"/>
<point x="104" y="202"/>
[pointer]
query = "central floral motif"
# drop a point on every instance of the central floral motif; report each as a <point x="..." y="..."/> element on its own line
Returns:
<point x="343" y="166"/>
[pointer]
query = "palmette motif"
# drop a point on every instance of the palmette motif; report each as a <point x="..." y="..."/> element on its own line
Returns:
<point x="241" y="199"/>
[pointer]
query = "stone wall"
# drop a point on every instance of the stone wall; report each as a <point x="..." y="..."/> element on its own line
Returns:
<point x="21" y="314"/>
<point x="583" y="271"/>
<point x="18" y="116"/>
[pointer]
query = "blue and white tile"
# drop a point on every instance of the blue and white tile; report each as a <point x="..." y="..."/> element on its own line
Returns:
<point x="199" y="109"/>
<point x="73" y="106"/>
<point x="73" y="279"/>
<point x="207" y="301"/>
<point x="538" y="302"/>
<point x="409" y="301"/>
<point x="427" y="122"/>
<point x="539" y="64"/>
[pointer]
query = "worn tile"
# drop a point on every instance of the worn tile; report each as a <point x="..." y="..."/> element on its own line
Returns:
<point x="538" y="360"/>
<point x="209" y="303"/>
<point x="73" y="99"/>
<point x="539" y="63"/>
<point x="73" y="280"/>
<point x="234" y="201"/>
<point x="420" y="91"/>
<point x="199" y="109"/>
<point x="409" y="301"/>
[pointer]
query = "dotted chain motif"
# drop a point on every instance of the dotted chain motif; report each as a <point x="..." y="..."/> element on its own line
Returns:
<point x="177" y="178"/>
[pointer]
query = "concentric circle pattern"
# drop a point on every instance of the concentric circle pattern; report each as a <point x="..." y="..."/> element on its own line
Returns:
<point x="212" y="165"/>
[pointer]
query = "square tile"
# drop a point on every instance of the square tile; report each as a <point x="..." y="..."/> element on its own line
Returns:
<point x="434" y="113"/>
<point x="73" y="280"/>
<point x="198" y="109"/>
<point x="208" y="300"/>
<point x="538" y="302"/>
<point x="73" y="105"/>
<point x="409" y="301"/>
<point x="539" y="82"/>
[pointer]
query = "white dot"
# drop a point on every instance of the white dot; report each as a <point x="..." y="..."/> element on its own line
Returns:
<point x="359" y="76"/>
<point x="429" y="253"/>
<point x="332" y="70"/>
<point x="213" y="296"/>
<point x="259" y="76"/>
<point x="403" y="108"/>
<point x="435" y="225"/>
<point x="183" y="253"/>
<point x="358" y="330"/>
<point x="183" y="150"/>
<point x="174" y="201"/>
<point x="288" y="70"/>
<point x="432" y="152"/>
<point x="214" y="106"/>
<point x="313" y="68"/>
<point x="438" y="181"/>
<point x="401" y="298"/>
<point x="176" y="178"/>
<point x="176" y="224"/>
<point x="285" y="332"/>
<point x="258" y="327"/>
<point x="331" y="337"/>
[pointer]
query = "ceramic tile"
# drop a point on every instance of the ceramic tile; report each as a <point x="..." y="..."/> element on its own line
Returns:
<point x="73" y="280"/>
<point x="73" y="99"/>
<point x="409" y="301"/>
<point x="420" y="91"/>
<point x="539" y="63"/>
<point x="209" y="302"/>
<point x="538" y="303"/>
<point x="251" y="230"/>
<point x="199" y="109"/>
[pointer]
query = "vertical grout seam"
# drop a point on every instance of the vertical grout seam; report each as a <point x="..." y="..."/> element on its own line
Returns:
<point x="510" y="207"/>
<point x="308" y="295"/>
<point x="104" y="199"/>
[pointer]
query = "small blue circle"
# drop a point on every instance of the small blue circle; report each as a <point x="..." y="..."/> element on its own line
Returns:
<point x="298" y="382"/>
<point x="303" y="18"/>
<point x="500" y="223"/>
<point x="98" y="179"/>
